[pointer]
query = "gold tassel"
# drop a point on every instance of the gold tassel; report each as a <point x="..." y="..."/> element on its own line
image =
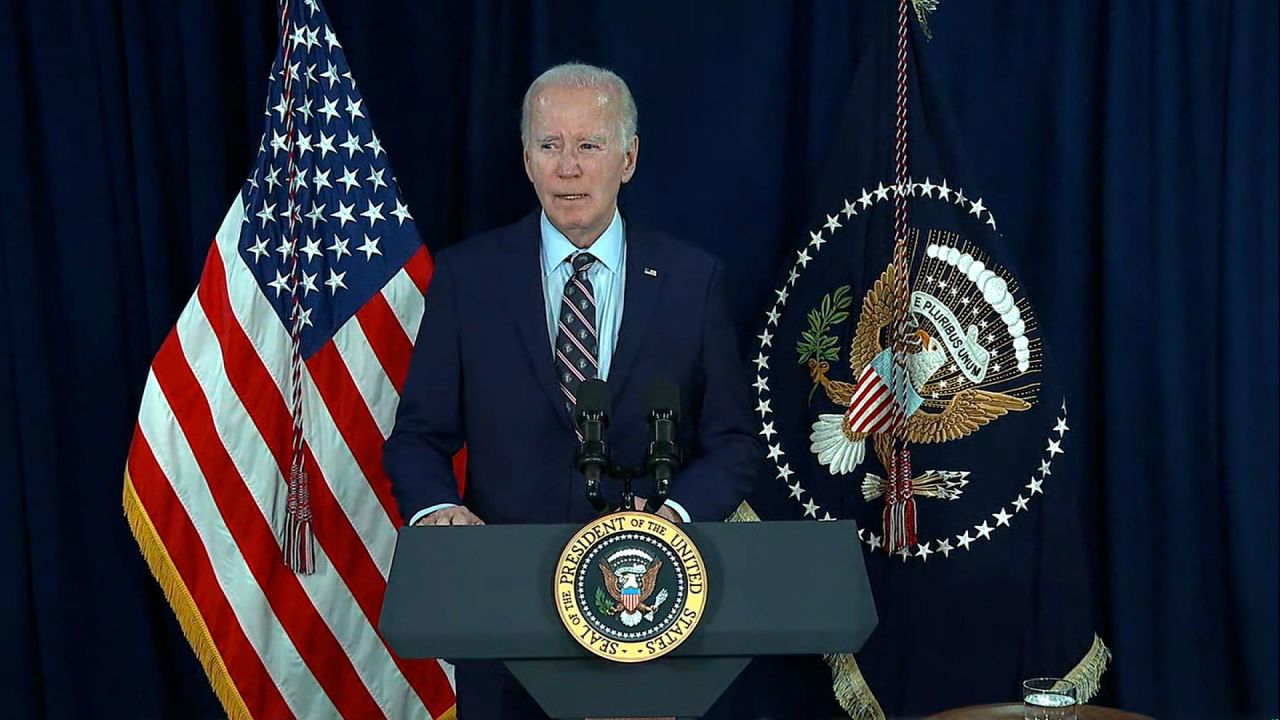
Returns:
<point x="184" y="607"/>
<point x="1087" y="674"/>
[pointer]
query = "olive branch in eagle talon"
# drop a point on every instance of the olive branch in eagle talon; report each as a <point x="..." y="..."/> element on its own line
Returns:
<point x="604" y="606"/>
<point x="818" y="348"/>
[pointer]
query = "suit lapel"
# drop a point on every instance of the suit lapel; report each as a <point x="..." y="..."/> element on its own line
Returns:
<point x="644" y="285"/>
<point x="527" y="306"/>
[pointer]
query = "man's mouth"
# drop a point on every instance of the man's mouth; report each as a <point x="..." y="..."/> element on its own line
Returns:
<point x="571" y="196"/>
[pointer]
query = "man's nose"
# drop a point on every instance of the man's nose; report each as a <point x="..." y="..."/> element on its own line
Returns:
<point x="569" y="165"/>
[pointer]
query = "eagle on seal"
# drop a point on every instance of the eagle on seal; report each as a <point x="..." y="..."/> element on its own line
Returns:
<point x="631" y="587"/>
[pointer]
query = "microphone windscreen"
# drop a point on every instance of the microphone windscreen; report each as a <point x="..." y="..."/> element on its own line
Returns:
<point x="664" y="397"/>
<point x="593" y="397"/>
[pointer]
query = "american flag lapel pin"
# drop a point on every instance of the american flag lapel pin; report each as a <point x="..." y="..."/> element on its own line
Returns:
<point x="650" y="272"/>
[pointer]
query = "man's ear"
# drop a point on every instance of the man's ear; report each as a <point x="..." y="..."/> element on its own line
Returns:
<point x="629" y="159"/>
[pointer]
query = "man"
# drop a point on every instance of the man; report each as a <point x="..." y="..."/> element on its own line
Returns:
<point x="516" y="319"/>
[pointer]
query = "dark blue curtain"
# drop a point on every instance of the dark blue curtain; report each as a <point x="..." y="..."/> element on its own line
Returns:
<point x="1130" y="147"/>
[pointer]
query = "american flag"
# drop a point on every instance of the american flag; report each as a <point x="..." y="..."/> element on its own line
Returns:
<point x="302" y="325"/>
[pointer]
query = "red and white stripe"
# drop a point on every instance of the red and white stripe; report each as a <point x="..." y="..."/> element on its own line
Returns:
<point x="210" y="462"/>
<point x="872" y="408"/>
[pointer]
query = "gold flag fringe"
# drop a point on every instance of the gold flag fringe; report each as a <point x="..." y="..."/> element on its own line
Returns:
<point x="184" y="607"/>
<point x="744" y="513"/>
<point x="923" y="9"/>
<point x="1087" y="674"/>
<point x="850" y="688"/>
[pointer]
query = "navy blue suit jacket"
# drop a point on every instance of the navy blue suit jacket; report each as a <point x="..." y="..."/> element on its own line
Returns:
<point x="482" y="374"/>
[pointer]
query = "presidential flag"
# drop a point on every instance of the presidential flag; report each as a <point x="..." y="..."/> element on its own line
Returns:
<point x="254" y="484"/>
<point x="905" y="379"/>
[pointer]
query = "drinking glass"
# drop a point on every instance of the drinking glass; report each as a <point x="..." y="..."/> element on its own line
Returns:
<point x="1049" y="699"/>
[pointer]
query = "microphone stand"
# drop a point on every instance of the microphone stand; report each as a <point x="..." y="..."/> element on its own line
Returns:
<point x="662" y="458"/>
<point x="626" y="475"/>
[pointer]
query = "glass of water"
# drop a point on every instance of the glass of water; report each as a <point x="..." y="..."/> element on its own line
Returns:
<point x="1049" y="699"/>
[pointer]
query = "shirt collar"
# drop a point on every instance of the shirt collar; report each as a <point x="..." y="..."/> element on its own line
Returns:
<point x="607" y="248"/>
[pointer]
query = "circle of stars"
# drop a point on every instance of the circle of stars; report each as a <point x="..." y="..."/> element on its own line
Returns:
<point x="1002" y="518"/>
<point x="773" y="316"/>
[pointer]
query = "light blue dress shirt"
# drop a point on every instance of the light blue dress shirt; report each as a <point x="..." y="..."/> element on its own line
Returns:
<point x="608" y="280"/>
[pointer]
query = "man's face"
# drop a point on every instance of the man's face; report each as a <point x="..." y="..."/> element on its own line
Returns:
<point x="575" y="161"/>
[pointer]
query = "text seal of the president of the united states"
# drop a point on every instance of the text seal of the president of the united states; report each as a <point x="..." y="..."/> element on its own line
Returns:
<point x="630" y="587"/>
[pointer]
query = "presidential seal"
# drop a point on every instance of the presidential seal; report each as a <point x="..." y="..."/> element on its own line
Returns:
<point x="969" y="361"/>
<point x="630" y="587"/>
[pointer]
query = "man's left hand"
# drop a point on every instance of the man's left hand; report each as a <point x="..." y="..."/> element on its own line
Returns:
<point x="664" y="512"/>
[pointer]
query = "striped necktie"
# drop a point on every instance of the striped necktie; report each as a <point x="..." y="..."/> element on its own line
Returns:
<point x="577" y="345"/>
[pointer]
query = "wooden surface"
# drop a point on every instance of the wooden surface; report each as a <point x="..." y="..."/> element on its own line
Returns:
<point x="1013" y="711"/>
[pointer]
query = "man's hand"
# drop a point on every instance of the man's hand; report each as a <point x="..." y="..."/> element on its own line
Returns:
<point x="450" y="516"/>
<point x="664" y="511"/>
<point x="671" y="515"/>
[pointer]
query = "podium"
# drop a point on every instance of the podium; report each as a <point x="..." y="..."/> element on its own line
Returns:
<point x="486" y="593"/>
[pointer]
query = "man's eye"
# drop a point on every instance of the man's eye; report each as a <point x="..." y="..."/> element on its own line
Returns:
<point x="548" y="146"/>
<point x="589" y="146"/>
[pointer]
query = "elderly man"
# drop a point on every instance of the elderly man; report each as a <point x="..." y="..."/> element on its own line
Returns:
<point x="502" y="350"/>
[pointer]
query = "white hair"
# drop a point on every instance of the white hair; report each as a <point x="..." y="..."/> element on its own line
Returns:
<point x="581" y="75"/>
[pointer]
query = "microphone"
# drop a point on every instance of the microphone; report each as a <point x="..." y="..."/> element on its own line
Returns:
<point x="663" y="457"/>
<point x="591" y="416"/>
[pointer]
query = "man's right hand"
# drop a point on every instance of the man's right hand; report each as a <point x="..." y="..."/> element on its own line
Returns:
<point x="457" y="515"/>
